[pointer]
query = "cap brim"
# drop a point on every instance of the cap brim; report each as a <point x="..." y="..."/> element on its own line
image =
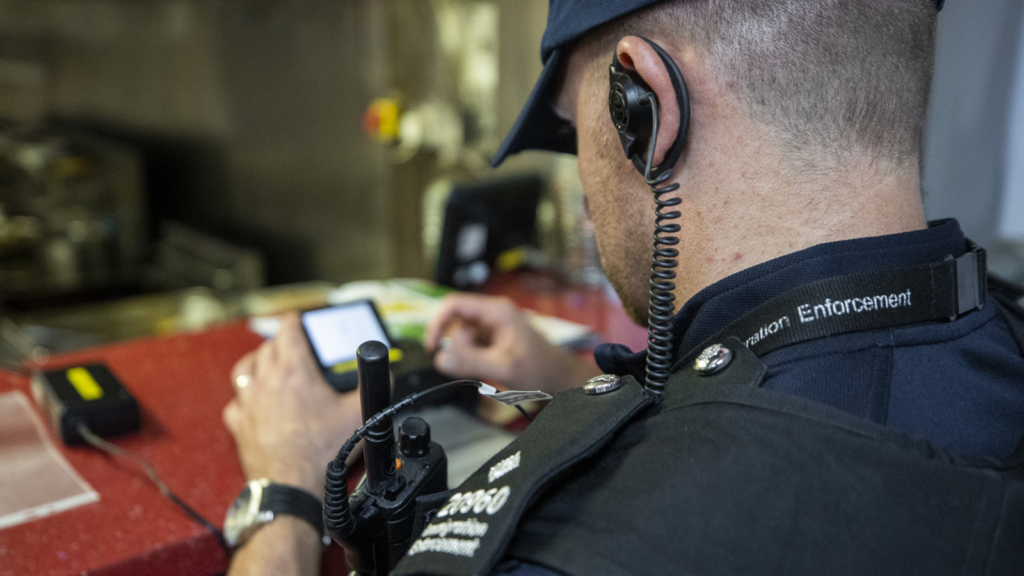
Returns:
<point x="538" y="127"/>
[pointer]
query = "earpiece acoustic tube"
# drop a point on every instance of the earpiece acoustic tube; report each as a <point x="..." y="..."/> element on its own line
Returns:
<point x="661" y="308"/>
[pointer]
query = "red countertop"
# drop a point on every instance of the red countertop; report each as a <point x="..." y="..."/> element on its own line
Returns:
<point x="182" y="384"/>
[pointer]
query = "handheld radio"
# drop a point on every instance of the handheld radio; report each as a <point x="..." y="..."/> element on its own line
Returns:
<point x="376" y="526"/>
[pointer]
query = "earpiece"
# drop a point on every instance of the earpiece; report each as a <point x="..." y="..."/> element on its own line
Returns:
<point x="630" y="100"/>
<point x="635" y="113"/>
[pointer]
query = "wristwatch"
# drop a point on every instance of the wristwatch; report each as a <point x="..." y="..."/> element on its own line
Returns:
<point x="263" y="500"/>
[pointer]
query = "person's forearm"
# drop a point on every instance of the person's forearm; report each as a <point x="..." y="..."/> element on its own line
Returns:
<point x="287" y="546"/>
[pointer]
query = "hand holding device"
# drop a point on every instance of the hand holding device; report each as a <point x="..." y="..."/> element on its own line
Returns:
<point x="334" y="334"/>
<point x="287" y="421"/>
<point x="488" y="338"/>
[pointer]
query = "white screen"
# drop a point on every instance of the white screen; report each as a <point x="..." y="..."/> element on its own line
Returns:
<point x="336" y="332"/>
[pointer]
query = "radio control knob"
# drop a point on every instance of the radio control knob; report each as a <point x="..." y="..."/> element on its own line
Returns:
<point x="414" y="437"/>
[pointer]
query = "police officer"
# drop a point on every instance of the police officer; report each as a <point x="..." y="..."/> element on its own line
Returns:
<point x="839" y="397"/>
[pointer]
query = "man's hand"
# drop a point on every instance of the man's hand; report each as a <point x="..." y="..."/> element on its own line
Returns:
<point x="287" y="421"/>
<point x="488" y="338"/>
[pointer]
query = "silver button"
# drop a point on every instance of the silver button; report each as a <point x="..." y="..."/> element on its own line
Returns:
<point x="603" y="383"/>
<point x="712" y="359"/>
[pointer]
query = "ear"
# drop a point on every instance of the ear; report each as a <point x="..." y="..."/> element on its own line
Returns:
<point x="636" y="54"/>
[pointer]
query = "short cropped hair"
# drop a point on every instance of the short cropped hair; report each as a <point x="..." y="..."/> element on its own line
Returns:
<point x="833" y="76"/>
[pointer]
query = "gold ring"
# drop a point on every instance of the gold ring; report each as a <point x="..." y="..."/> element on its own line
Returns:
<point x="242" y="381"/>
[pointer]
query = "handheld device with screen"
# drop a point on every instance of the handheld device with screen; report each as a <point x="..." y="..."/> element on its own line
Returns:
<point x="334" y="334"/>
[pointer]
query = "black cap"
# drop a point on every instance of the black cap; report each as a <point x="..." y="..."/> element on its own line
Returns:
<point x="538" y="127"/>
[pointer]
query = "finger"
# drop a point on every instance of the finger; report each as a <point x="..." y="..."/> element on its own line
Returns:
<point x="245" y="365"/>
<point x="445" y="340"/>
<point x="241" y="373"/>
<point x="232" y="416"/>
<point x="294" y="352"/>
<point x="266" y="358"/>
<point x="438" y="325"/>
<point x="241" y="384"/>
<point x="291" y="335"/>
<point x="480" y="307"/>
<point x="449" y="358"/>
<point x="464" y="359"/>
<point x="485" y="311"/>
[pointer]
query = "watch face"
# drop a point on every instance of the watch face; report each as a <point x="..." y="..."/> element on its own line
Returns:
<point x="243" y="515"/>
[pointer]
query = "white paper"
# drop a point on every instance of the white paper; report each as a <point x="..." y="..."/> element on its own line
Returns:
<point x="35" y="479"/>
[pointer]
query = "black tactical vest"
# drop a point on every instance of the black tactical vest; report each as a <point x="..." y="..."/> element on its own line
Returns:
<point x="725" y="477"/>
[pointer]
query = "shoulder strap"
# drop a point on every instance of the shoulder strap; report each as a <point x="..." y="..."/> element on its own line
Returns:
<point x="1004" y="296"/>
<point x="999" y="285"/>
<point x="1016" y="460"/>
<point x="858" y="302"/>
<point x="1013" y="314"/>
<point x="472" y="531"/>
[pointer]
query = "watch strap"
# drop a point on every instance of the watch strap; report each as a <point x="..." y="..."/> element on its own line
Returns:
<point x="282" y="499"/>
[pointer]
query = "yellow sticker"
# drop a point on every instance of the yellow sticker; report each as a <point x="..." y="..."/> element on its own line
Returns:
<point x="87" y="386"/>
<point x="394" y="355"/>
<point x="343" y="367"/>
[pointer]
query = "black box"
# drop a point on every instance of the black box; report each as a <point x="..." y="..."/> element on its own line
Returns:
<point x="89" y="395"/>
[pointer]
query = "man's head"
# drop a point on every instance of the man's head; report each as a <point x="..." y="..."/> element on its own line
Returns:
<point x="824" y="83"/>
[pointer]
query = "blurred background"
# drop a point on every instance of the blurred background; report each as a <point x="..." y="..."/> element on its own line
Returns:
<point x="168" y="164"/>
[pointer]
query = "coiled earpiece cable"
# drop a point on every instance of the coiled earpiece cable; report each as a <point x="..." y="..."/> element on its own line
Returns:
<point x="663" y="263"/>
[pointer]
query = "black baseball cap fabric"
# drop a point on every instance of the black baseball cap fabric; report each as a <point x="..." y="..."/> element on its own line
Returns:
<point x="538" y="127"/>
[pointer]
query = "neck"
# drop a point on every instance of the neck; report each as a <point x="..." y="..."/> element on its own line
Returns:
<point x="745" y="202"/>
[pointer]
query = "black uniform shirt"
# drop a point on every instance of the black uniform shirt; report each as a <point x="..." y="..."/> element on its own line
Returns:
<point x="954" y="383"/>
<point x="957" y="383"/>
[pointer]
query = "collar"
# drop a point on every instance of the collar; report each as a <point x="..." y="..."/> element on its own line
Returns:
<point x="714" y="307"/>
